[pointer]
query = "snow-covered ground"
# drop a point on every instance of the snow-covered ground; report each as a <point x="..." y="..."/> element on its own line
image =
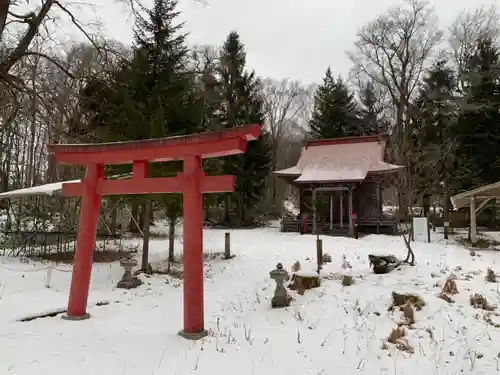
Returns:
<point x="331" y="329"/>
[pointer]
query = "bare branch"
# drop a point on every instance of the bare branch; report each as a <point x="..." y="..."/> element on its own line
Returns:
<point x="482" y="22"/>
<point x="52" y="60"/>
<point x="15" y="55"/>
<point x="76" y="23"/>
<point x="26" y="16"/>
<point x="394" y="50"/>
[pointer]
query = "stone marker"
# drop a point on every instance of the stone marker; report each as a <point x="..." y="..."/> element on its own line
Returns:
<point x="128" y="281"/>
<point x="281" y="297"/>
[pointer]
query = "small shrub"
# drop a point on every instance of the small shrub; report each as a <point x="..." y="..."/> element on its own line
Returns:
<point x="409" y="315"/>
<point x="491" y="276"/>
<point x="347" y="280"/>
<point x="401" y="300"/>
<point x="327" y="258"/>
<point x="450" y="286"/>
<point x="296" y="266"/>
<point x="478" y="301"/>
<point x="397" y="337"/>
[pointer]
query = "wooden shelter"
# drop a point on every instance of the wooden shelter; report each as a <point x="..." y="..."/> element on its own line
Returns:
<point x="340" y="184"/>
<point x="476" y="199"/>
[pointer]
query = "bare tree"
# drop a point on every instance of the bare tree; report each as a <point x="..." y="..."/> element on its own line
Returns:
<point x="285" y="103"/>
<point x="287" y="108"/>
<point x="470" y="26"/>
<point x="394" y="50"/>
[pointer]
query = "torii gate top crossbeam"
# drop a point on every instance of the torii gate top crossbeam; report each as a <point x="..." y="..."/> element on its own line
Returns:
<point x="206" y="145"/>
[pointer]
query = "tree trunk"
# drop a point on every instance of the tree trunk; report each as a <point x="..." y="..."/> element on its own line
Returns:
<point x="134" y="218"/>
<point x="30" y="172"/>
<point x="142" y="223"/>
<point x="446" y="212"/>
<point x="114" y="215"/>
<point x="226" y="208"/>
<point x="426" y="204"/>
<point x="404" y="192"/>
<point x="171" y="238"/>
<point x="241" y="211"/>
<point x="146" y="234"/>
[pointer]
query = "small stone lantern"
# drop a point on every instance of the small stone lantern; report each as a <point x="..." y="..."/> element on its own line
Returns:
<point x="281" y="297"/>
<point x="128" y="281"/>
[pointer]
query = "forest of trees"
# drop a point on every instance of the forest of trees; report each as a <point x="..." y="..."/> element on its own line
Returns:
<point x="436" y="91"/>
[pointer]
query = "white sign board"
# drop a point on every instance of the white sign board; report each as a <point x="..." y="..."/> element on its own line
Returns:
<point x="421" y="229"/>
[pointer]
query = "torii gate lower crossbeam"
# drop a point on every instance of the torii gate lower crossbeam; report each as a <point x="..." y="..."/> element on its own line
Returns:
<point x="192" y="183"/>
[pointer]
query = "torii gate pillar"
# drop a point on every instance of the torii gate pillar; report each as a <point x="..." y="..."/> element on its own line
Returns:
<point x="193" y="251"/>
<point x="85" y="240"/>
<point x="192" y="183"/>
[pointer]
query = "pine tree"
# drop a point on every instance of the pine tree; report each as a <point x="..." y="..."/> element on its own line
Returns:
<point x="431" y="156"/>
<point x="478" y="128"/>
<point x="233" y="80"/>
<point x="335" y="113"/>
<point x="371" y="112"/>
<point x="151" y="96"/>
<point x="437" y="108"/>
<point x="241" y="104"/>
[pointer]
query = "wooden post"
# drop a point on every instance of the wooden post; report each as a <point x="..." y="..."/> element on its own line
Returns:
<point x="301" y="202"/>
<point x="227" y="246"/>
<point x="379" y="207"/>
<point x="473" y="227"/>
<point x="319" y="254"/>
<point x="434" y="217"/>
<point x="351" y="224"/>
<point x="331" y="212"/>
<point x="428" y="231"/>
<point x="341" y="209"/>
<point x="411" y="235"/>
<point x="314" y="211"/>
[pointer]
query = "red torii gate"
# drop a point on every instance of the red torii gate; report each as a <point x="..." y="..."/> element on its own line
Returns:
<point x="192" y="183"/>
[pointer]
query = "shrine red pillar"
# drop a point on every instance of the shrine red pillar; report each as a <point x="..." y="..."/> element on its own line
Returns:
<point x="194" y="325"/>
<point x="85" y="242"/>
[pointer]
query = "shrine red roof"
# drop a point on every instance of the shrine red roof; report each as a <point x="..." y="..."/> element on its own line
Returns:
<point x="208" y="144"/>
<point x="340" y="160"/>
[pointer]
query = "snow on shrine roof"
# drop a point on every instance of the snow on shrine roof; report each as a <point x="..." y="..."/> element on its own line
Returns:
<point x="341" y="159"/>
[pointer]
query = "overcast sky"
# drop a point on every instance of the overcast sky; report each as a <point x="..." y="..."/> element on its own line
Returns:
<point x="298" y="39"/>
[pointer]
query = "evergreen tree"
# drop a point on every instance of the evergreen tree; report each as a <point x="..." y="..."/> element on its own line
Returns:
<point x="372" y="119"/>
<point x="241" y="104"/>
<point x="335" y="113"/>
<point x="431" y="155"/>
<point x="151" y="96"/>
<point x="478" y="127"/>
<point x="436" y="106"/>
<point x="233" y="80"/>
